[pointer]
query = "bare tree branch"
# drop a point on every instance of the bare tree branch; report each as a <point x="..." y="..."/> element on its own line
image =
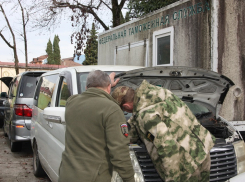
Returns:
<point x="80" y="12"/>
<point x="12" y="47"/>
<point x="122" y="4"/>
<point x="106" y="5"/>
<point x="16" y="60"/>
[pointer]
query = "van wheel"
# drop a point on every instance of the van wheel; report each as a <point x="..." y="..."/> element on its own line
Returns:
<point x="15" y="146"/>
<point x="37" y="167"/>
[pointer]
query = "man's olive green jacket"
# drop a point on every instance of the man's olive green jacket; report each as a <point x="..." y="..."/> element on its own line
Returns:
<point x="94" y="142"/>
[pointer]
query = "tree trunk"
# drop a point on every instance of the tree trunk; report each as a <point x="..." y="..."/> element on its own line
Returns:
<point x="115" y="13"/>
<point x="24" y="32"/>
<point x="16" y="60"/>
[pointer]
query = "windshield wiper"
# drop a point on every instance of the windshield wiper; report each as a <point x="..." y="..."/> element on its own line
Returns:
<point x="201" y="115"/>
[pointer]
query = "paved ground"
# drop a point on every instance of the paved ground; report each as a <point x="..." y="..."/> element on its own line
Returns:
<point x="16" y="167"/>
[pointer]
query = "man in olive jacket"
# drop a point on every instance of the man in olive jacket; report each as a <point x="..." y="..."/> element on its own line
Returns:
<point x="95" y="141"/>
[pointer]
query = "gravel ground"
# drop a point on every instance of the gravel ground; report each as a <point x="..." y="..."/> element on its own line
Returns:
<point x="17" y="167"/>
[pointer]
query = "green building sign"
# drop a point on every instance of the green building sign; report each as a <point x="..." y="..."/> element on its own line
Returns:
<point x="158" y="22"/>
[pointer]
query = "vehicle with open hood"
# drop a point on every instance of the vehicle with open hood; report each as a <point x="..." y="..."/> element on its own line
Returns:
<point x="203" y="91"/>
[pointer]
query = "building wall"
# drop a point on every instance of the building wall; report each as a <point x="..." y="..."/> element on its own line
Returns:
<point x="190" y="20"/>
<point x="209" y="35"/>
<point x="7" y="72"/>
<point x="231" y="55"/>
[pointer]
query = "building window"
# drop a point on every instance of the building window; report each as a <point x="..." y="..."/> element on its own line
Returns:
<point x="163" y="47"/>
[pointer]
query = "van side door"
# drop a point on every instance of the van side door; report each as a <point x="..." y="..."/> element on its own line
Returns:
<point x="56" y="117"/>
<point x="40" y="126"/>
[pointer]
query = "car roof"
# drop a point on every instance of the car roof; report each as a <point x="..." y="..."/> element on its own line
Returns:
<point x="7" y="80"/>
<point x="89" y="68"/>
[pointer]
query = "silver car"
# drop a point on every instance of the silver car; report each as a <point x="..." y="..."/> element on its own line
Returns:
<point x="18" y="107"/>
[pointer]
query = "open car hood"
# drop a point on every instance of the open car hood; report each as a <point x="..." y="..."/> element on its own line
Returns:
<point x="192" y="85"/>
<point x="6" y="80"/>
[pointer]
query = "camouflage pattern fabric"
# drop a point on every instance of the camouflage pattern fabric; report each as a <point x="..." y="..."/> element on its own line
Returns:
<point x="119" y="93"/>
<point x="178" y="145"/>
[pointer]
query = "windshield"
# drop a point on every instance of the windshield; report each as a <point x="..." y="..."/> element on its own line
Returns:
<point x="82" y="78"/>
<point x="198" y="110"/>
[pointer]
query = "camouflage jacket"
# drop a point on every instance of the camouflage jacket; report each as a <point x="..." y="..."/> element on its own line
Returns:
<point x="175" y="140"/>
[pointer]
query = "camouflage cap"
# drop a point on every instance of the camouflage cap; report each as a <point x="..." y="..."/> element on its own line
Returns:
<point x="119" y="93"/>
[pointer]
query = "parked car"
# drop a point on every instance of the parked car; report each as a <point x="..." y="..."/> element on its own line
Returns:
<point x="3" y="98"/>
<point x="203" y="91"/>
<point x="18" y="107"/>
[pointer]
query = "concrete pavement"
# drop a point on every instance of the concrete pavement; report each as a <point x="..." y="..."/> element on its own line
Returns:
<point x="17" y="167"/>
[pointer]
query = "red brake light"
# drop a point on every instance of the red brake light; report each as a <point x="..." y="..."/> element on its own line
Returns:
<point x="22" y="110"/>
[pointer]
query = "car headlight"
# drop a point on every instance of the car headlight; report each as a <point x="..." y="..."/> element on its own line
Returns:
<point x="138" y="176"/>
<point x="240" y="156"/>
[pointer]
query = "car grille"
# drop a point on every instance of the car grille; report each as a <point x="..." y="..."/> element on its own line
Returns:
<point x="223" y="163"/>
<point x="146" y="165"/>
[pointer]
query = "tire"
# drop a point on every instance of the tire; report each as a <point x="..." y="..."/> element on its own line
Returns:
<point x="37" y="167"/>
<point x="4" y="132"/>
<point x="1" y="123"/>
<point x="15" y="146"/>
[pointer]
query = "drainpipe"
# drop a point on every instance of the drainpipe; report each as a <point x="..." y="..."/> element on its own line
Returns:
<point x="214" y="35"/>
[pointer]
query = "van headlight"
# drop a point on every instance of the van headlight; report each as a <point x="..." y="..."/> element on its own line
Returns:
<point x="240" y="156"/>
<point x="138" y="176"/>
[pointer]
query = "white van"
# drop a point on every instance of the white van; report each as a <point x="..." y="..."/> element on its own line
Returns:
<point x="48" y="116"/>
<point x="203" y="91"/>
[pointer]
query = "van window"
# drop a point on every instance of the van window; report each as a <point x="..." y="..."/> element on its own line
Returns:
<point x="27" y="86"/>
<point x="82" y="80"/>
<point x="64" y="94"/>
<point x="46" y="91"/>
<point x="14" y="87"/>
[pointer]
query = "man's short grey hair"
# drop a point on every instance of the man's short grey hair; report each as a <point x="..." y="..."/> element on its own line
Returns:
<point x="98" y="78"/>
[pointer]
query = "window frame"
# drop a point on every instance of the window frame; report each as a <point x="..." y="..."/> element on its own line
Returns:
<point x="59" y="90"/>
<point x="38" y="90"/>
<point x="159" y="34"/>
